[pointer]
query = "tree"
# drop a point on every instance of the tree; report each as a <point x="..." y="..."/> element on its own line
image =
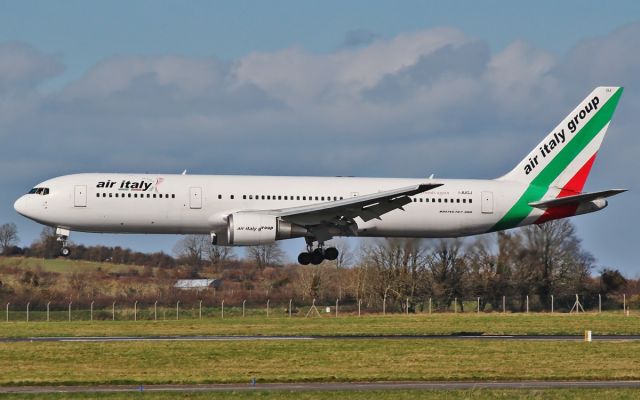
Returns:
<point x="558" y="264"/>
<point x="8" y="237"/>
<point x="191" y="249"/>
<point x="448" y="270"/>
<point x="611" y="281"/>
<point x="266" y="254"/>
<point x="218" y="255"/>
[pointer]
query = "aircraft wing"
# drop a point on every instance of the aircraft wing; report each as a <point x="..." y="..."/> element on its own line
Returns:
<point x="578" y="198"/>
<point x="322" y="216"/>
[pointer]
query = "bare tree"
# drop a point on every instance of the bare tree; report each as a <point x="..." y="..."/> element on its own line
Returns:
<point x="266" y="254"/>
<point x="191" y="249"/>
<point x="345" y="255"/>
<point x="218" y="255"/>
<point x="448" y="270"/>
<point x="553" y="254"/>
<point x="8" y="237"/>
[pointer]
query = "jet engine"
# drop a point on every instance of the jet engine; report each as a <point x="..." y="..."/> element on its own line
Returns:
<point x="250" y="229"/>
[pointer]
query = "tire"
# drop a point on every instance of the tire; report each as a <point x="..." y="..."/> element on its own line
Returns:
<point x="316" y="257"/>
<point x="65" y="252"/>
<point x="304" y="258"/>
<point x="331" y="253"/>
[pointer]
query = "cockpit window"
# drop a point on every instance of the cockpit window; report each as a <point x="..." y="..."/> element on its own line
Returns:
<point x="40" y="191"/>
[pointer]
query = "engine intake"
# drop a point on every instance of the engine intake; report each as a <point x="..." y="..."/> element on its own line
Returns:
<point x="250" y="229"/>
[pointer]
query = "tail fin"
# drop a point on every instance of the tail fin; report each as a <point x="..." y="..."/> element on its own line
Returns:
<point x="562" y="161"/>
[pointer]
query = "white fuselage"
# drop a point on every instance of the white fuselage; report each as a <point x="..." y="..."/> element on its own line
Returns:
<point x="199" y="204"/>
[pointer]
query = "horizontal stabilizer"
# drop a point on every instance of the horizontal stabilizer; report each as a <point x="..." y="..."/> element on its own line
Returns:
<point x="578" y="198"/>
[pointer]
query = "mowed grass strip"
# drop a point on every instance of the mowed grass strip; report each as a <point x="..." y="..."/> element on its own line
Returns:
<point x="422" y="324"/>
<point x="552" y="394"/>
<point x="322" y="360"/>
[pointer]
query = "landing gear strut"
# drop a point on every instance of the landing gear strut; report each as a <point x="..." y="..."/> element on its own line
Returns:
<point x="63" y="236"/>
<point x="318" y="255"/>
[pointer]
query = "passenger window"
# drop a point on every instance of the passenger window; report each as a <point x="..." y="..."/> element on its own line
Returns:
<point x="110" y="194"/>
<point x="148" y="196"/>
<point x="173" y="196"/>
<point x="129" y="195"/>
<point x="244" y="197"/>
<point x="262" y="197"/>
<point x="426" y="200"/>
<point x="421" y="200"/>
<point x="464" y="200"/>
<point x="135" y="195"/>
<point x="415" y="200"/>
<point x="279" y="197"/>
<point x="304" y="197"/>
<point x="439" y="200"/>
<point x="219" y="197"/>
<point x="97" y="194"/>
<point x="470" y="201"/>
<point x="457" y="200"/>
<point x="445" y="200"/>
<point x="232" y="196"/>
<point x="316" y="198"/>
<point x="154" y="195"/>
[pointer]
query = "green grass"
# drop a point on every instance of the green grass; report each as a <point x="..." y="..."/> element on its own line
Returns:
<point x="441" y="324"/>
<point x="63" y="266"/>
<point x="63" y="363"/>
<point x="552" y="394"/>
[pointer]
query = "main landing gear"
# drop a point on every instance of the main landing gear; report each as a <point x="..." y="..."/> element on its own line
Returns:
<point x="318" y="255"/>
<point x="63" y="237"/>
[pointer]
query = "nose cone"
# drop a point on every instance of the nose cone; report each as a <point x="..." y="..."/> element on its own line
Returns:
<point x="21" y="206"/>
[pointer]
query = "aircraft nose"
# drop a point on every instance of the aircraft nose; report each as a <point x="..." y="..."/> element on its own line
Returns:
<point x="21" y="206"/>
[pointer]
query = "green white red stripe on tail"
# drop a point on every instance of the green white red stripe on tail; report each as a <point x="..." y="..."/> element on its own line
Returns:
<point x="560" y="164"/>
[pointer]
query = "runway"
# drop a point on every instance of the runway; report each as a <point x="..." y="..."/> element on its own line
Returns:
<point x="341" y="386"/>
<point x="465" y="336"/>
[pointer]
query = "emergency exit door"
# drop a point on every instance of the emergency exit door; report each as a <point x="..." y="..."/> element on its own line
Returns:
<point x="195" y="197"/>
<point x="487" y="202"/>
<point x="80" y="196"/>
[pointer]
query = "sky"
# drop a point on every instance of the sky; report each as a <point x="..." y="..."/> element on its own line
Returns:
<point x="460" y="89"/>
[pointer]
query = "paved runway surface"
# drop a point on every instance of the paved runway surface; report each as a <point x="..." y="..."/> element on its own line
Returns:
<point x="275" y="338"/>
<point x="323" y="386"/>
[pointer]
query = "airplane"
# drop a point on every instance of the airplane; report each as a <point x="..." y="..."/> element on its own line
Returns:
<point x="256" y="210"/>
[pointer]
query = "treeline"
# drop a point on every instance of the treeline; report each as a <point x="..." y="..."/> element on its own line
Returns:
<point x="530" y="264"/>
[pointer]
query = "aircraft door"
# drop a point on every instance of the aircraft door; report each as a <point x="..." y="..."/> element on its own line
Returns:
<point x="80" y="196"/>
<point x="487" y="202"/>
<point x="195" y="197"/>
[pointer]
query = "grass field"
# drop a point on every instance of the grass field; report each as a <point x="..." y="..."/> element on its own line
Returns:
<point x="444" y="324"/>
<point x="64" y="266"/>
<point x="553" y="394"/>
<point x="64" y="363"/>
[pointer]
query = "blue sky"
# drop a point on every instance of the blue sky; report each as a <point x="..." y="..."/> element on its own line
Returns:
<point x="208" y="86"/>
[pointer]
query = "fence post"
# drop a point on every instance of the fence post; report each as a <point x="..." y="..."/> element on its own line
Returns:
<point x="268" y="300"/>
<point x="429" y="305"/>
<point x="290" y="300"/>
<point x="478" y="305"/>
<point x="48" y="310"/>
<point x="504" y="304"/>
<point x="384" y="304"/>
<point x="178" y="310"/>
<point x="407" y="310"/>
<point x="359" y="304"/>
<point x="243" y="302"/>
<point x="200" y="310"/>
<point x="28" y="311"/>
<point x="599" y="303"/>
<point x="70" y="310"/>
<point x="455" y="305"/>
<point x="624" y="302"/>
<point x="8" y="312"/>
<point x="155" y="310"/>
<point x="135" y="310"/>
<point x="527" y="304"/>
<point x="113" y="311"/>
<point x="222" y="308"/>
<point x="551" y="304"/>
<point x="91" y="311"/>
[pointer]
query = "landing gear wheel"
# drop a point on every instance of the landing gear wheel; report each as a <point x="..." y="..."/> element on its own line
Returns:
<point x="304" y="258"/>
<point x="331" y="253"/>
<point x="65" y="252"/>
<point x="317" y="257"/>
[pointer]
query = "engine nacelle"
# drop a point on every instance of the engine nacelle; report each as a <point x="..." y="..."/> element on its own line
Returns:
<point x="250" y="229"/>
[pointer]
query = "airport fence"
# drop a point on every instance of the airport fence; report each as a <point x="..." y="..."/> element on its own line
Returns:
<point x="159" y="310"/>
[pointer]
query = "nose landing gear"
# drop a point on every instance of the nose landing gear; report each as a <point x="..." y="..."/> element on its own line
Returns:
<point x="63" y="236"/>
<point x="318" y="255"/>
